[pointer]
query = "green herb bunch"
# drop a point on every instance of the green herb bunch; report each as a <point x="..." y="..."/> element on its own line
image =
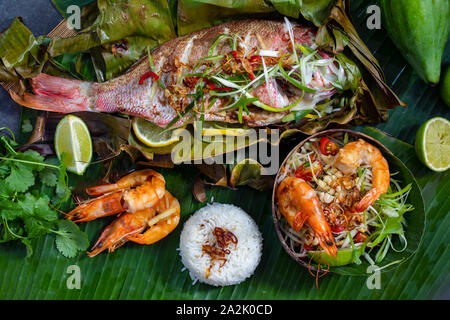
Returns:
<point x="32" y="190"/>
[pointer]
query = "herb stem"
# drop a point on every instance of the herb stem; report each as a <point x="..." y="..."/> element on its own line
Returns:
<point x="31" y="162"/>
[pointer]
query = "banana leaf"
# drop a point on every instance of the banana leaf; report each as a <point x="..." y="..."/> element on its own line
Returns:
<point x="20" y="52"/>
<point x="154" y="272"/>
<point x="198" y="14"/>
<point x="62" y="5"/>
<point x="140" y="272"/>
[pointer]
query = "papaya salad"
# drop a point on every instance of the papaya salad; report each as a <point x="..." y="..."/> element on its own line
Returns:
<point x="338" y="196"/>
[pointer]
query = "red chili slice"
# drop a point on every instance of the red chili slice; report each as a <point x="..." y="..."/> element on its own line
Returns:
<point x="148" y="75"/>
<point x="254" y="59"/>
<point x="360" y="237"/>
<point x="327" y="147"/>
<point x="211" y="86"/>
<point x="337" y="229"/>
<point x="308" y="247"/>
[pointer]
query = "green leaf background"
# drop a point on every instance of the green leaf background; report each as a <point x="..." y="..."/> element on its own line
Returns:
<point x="154" y="272"/>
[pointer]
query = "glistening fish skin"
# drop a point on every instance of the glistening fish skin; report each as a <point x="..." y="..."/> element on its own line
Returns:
<point x="171" y="60"/>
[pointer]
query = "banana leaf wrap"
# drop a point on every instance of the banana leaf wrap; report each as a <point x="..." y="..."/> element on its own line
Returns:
<point x="116" y="34"/>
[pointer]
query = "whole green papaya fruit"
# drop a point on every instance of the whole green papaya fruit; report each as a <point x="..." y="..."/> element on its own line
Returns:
<point x="419" y="28"/>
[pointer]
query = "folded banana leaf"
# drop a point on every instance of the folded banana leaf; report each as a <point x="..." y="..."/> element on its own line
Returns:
<point x="20" y="52"/>
<point x="120" y="33"/>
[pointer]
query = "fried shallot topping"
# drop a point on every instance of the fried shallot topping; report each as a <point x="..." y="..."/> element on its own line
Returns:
<point x="224" y="238"/>
<point x="218" y="250"/>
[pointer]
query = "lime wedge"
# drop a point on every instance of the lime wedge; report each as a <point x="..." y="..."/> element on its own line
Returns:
<point x="72" y="138"/>
<point x="343" y="257"/>
<point x="152" y="135"/>
<point x="433" y="144"/>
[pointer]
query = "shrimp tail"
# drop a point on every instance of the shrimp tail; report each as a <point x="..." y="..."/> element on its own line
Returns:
<point x="368" y="199"/>
<point x="326" y="241"/>
<point x="57" y="95"/>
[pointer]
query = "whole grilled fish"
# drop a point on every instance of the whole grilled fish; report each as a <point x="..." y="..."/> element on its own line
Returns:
<point x="204" y="74"/>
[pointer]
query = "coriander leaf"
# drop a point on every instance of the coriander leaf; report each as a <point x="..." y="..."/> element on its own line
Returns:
<point x="43" y="210"/>
<point x="4" y="169"/>
<point x="69" y="239"/>
<point x="27" y="126"/>
<point x="49" y="177"/>
<point x="21" y="178"/>
<point x="36" y="227"/>
<point x="35" y="160"/>
<point x="9" y="210"/>
<point x="5" y="190"/>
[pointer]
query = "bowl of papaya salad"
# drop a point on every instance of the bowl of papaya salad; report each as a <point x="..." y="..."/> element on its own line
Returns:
<point x="343" y="203"/>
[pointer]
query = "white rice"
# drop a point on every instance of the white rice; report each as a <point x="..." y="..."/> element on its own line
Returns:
<point x="243" y="258"/>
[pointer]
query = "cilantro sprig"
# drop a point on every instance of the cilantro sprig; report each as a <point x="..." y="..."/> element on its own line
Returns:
<point x="32" y="190"/>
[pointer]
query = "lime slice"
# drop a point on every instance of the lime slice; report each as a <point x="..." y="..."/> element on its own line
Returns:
<point x="212" y="129"/>
<point x="152" y="135"/>
<point x="343" y="257"/>
<point x="72" y="138"/>
<point x="433" y="144"/>
<point x="445" y="87"/>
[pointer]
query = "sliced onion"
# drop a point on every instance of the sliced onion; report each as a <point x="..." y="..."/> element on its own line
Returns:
<point x="268" y="53"/>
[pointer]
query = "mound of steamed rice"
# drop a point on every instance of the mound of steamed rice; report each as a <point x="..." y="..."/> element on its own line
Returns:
<point x="243" y="258"/>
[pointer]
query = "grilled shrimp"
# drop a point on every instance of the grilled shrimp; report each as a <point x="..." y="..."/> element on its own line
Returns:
<point x="356" y="153"/>
<point x="160" y="219"/>
<point x="149" y="188"/>
<point x="298" y="203"/>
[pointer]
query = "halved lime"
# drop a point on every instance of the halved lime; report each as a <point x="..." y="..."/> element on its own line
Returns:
<point x="433" y="144"/>
<point x="343" y="257"/>
<point x="152" y="135"/>
<point x="72" y="138"/>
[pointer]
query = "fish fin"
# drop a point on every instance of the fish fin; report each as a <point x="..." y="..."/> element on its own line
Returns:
<point x="56" y="95"/>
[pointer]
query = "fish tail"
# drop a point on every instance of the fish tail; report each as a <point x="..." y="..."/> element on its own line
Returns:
<point x="57" y="95"/>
